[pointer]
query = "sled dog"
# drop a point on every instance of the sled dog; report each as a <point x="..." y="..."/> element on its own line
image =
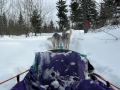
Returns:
<point x="56" y="40"/>
<point x="66" y="38"/>
<point x="61" y="40"/>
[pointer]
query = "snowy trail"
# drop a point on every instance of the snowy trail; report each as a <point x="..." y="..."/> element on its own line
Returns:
<point x="17" y="54"/>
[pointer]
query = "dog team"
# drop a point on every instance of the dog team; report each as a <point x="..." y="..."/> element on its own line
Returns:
<point x="61" y="41"/>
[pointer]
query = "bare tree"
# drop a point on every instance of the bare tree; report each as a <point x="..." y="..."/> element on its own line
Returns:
<point x="2" y="6"/>
<point x="28" y="6"/>
<point x="13" y="8"/>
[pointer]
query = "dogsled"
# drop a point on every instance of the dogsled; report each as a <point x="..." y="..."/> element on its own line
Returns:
<point x="62" y="70"/>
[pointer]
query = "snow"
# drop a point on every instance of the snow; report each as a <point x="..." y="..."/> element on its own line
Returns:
<point x="55" y="84"/>
<point x="17" y="53"/>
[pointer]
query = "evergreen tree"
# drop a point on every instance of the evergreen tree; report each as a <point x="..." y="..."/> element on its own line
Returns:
<point x="3" y="24"/>
<point x="116" y="13"/>
<point x="89" y="12"/>
<point x="21" y="20"/>
<point x="89" y="9"/>
<point x="36" y="21"/>
<point x="102" y="17"/>
<point x="74" y="13"/>
<point x="51" y="26"/>
<point x="11" y="27"/>
<point x="117" y="2"/>
<point x="62" y="15"/>
<point x="21" y="25"/>
<point x="109" y="9"/>
<point x="45" y="28"/>
<point x="81" y="18"/>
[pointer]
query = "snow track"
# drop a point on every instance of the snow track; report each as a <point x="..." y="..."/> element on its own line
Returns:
<point x="17" y="53"/>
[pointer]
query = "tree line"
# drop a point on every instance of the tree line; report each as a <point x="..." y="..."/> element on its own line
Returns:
<point x="24" y="17"/>
<point x="29" y="16"/>
<point x="85" y="15"/>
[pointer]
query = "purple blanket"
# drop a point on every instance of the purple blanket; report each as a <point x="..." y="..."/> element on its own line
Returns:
<point x="58" y="71"/>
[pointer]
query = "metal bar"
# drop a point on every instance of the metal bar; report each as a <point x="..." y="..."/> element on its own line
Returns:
<point x="13" y="77"/>
<point x="18" y="78"/>
<point x="106" y="80"/>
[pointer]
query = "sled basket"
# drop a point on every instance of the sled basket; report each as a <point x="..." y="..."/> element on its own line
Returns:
<point x="60" y="70"/>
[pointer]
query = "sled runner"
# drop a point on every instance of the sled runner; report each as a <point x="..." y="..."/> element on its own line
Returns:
<point x="62" y="70"/>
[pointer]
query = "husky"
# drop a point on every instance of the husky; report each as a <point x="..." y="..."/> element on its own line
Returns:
<point x="56" y="40"/>
<point x="61" y="41"/>
<point x="66" y="38"/>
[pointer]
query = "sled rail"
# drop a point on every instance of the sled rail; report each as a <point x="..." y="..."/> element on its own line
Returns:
<point x="100" y="77"/>
<point x="16" y="76"/>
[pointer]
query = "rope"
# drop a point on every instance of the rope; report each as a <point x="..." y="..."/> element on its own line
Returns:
<point x="106" y="80"/>
<point x="13" y="77"/>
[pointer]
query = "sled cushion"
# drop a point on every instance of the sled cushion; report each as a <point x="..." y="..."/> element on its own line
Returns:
<point x="49" y="66"/>
<point x="58" y="71"/>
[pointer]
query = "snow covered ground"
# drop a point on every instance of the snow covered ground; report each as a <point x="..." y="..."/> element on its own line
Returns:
<point x="17" y="53"/>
